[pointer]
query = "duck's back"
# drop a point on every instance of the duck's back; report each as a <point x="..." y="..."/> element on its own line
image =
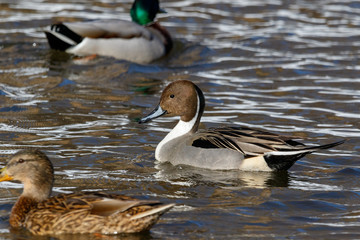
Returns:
<point x="115" y="38"/>
<point x="109" y="28"/>
<point x="93" y="213"/>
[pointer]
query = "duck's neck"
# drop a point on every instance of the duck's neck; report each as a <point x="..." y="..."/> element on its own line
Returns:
<point x="38" y="188"/>
<point x="167" y="38"/>
<point x="182" y="128"/>
<point x="30" y="197"/>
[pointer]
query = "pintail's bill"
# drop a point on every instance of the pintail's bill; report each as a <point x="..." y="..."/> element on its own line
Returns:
<point x="157" y="112"/>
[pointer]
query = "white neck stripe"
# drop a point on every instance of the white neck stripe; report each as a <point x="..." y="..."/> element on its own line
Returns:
<point x="179" y="130"/>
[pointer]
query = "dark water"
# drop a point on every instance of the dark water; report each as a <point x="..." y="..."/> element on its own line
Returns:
<point x="290" y="67"/>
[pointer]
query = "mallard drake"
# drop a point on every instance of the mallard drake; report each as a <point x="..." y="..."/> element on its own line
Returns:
<point x="220" y="148"/>
<point x="84" y="212"/>
<point x="140" y="41"/>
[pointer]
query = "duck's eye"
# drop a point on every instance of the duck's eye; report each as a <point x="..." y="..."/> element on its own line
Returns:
<point x="21" y="160"/>
<point x="172" y="96"/>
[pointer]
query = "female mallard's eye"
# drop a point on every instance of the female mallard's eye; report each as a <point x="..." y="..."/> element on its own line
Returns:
<point x="21" y="160"/>
<point x="172" y="96"/>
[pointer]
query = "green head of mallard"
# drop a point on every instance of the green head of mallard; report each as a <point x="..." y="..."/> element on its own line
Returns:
<point x="144" y="11"/>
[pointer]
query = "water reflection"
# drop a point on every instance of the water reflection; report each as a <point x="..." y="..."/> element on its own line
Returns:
<point x="233" y="179"/>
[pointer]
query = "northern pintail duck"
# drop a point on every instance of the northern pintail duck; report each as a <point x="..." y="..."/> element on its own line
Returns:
<point x="140" y="41"/>
<point x="84" y="212"/>
<point x="220" y="148"/>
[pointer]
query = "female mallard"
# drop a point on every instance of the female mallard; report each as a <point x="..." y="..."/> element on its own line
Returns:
<point x="141" y="41"/>
<point x="85" y="212"/>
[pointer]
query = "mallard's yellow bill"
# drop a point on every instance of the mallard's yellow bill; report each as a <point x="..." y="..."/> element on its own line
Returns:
<point x="4" y="177"/>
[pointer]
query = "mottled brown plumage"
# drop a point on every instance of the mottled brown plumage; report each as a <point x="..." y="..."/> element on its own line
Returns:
<point x="85" y="212"/>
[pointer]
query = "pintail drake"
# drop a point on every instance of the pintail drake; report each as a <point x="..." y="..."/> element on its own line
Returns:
<point x="76" y="213"/>
<point x="140" y="41"/>
<point x="220" y="148"/>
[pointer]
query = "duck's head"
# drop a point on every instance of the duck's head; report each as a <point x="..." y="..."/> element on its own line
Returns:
<point x="34" y="169"/>
<point x="144" y="11"/>
<point x="180" y="98"/>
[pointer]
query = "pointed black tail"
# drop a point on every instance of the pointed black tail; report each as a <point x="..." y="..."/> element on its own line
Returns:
<point x="283" y="160"/>
<point x="325" y="146"/>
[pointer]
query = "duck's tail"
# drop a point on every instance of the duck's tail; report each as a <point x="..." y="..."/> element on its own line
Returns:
<point x="155" y="211"/>
<point x="282" y="160"/>
<point x="60" y="37"/>
<point x="144" y="219"/>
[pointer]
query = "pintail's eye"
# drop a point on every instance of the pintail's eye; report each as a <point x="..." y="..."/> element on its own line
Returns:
<point x="172" y="96"/>
<point x="21" y="160"/>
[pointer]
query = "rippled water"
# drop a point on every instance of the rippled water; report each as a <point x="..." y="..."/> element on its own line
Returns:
<point x="290" y="67"/>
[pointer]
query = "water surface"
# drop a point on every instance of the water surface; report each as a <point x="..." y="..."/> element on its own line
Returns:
<point x="290" y="67"/>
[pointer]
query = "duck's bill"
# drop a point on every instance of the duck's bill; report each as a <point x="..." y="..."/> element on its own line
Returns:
<point x="4" y="176"/>
<point x="157" y="112"/>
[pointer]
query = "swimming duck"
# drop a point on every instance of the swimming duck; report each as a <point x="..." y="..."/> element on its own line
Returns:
<point x="140" y="41"/>
<point x="220" y="148"/>
<point x="84" y="212"/>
